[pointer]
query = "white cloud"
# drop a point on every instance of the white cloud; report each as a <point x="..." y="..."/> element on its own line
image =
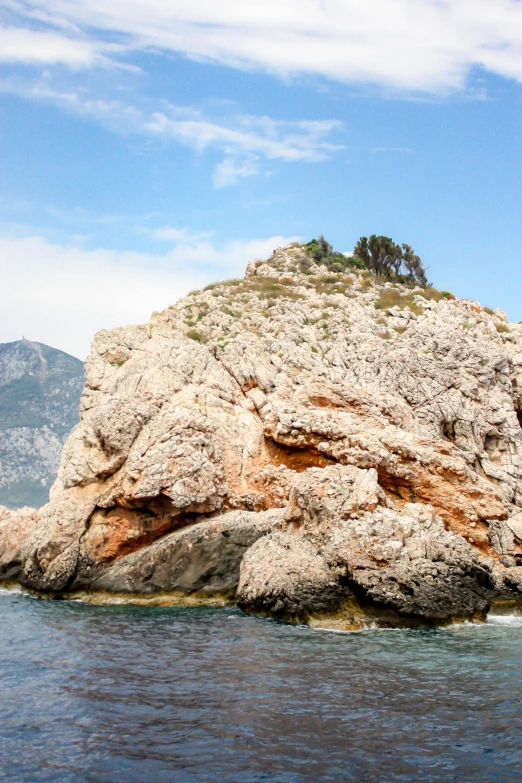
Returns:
<point x="427" y="45"/>
<point x="29" y="47"/>
<point x="228" y="172"/>
<point x="243" y="139"/>
<point x="62" y="295"/>
<point x="290" y="141"/>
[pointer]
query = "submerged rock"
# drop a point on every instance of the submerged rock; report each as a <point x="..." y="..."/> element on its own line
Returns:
<point x="326" y="443"/>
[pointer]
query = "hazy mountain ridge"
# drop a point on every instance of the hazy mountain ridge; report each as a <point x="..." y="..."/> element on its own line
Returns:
<point x="40" y="390"/>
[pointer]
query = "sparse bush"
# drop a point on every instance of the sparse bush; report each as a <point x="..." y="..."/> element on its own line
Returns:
<point x="502" y="328"/>
<point x="197" y="336"/>
<point x="230" y="312"/>
<point x="391" y="297"/>
<point x="433" y="294"/>
<point x="323" y="253"/>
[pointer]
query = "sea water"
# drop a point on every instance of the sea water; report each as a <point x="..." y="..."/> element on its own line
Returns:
<point x="127" y="694"/>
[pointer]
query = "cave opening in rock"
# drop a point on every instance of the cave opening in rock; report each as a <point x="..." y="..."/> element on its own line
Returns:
<point x="519" y="417"/>
<point x="448" y="430"/>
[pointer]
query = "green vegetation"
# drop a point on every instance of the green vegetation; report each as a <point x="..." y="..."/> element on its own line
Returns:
<point x="392" y="297"/>
<point x="330" y="284"/>
<point x="502" y="328"/>
<point x="197" y="336"/>
<point x="382" y="256"/>
<point x="271" y="288"/>
<point x="323" y="253"/>
<point x="230" y="312"/>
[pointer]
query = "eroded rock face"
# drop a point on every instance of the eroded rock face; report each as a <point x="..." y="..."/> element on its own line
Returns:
<point x="201" y="559"/>
<point x="15" y="528"/>
<point x="343" y="538"/>
<point x="385" y="422"/>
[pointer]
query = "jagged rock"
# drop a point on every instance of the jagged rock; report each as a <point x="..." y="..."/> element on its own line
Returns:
<point x="386" y="421"/>
<point x="15" y="528"/>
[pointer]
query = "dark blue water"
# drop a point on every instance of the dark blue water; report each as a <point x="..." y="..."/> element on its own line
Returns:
<point x="127" y="694"/>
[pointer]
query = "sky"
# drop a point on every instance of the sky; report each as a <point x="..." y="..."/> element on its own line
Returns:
<point x="150" y="147"/>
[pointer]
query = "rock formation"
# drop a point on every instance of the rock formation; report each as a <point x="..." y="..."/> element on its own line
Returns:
<point x="333" y="446"/>
<point x="40" y="390"/>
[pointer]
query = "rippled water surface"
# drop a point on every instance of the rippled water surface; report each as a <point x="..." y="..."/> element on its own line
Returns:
<point x="127" y="694"/>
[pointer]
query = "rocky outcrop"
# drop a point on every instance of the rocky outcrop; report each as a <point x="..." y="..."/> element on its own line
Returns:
<point x="40" y="390"/>
<point x="381" y="424"/>
<point x="344" y="540"/>
<point x="202" y="559"/>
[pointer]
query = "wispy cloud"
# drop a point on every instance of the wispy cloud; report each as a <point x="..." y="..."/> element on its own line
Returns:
<point x="290" y="141"/>
<point x="412" y="45"/>
<point x="229" y="171"/>
<point x="245" y="141"/>
<point x="62" y="295"/>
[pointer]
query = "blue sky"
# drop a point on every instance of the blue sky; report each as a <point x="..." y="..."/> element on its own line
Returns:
<point x="149" y="148"/>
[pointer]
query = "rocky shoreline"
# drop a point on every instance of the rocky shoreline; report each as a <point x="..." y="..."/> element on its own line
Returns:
<point x="318" y="447"/>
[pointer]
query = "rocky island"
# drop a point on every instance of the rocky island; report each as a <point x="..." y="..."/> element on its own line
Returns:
<point x="313" y="442"/>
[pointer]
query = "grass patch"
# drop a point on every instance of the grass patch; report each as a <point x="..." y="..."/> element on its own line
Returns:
<point x="231" y="313"/>
<point x="400" y="329"/>
<point x="273" y="288"/>
<point x="197" y="336"/>
<point x="385" y="336"/>
<point x="488" y="310"/>
<point x="502" y="328"/>
<point x="223" y="283"/>
<point x="392" y="297"/>
<point x="434" y="295"/>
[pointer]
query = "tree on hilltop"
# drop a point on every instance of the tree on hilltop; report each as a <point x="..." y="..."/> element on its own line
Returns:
<point x="381" y="255"/>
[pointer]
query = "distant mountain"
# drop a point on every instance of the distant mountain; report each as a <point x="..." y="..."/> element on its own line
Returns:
<point x="40" y="390"/>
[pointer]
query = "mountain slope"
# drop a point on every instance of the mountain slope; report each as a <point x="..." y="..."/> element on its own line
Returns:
<point x="40" y="390"/>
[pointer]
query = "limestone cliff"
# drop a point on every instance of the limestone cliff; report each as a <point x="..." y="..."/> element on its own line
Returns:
<point x="333" y="445"/>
